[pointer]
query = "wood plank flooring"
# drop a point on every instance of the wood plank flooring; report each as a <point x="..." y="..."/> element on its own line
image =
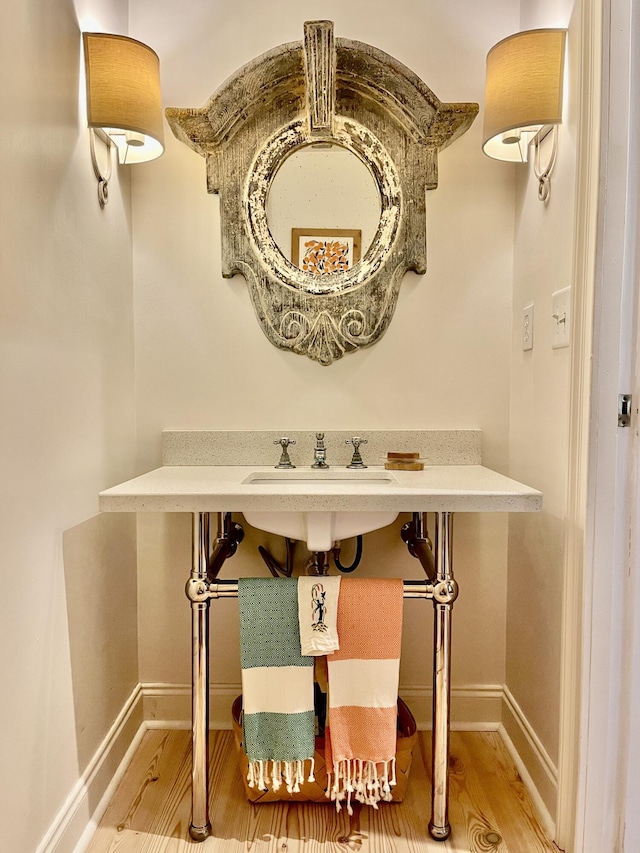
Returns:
<point x="490" y="810"/>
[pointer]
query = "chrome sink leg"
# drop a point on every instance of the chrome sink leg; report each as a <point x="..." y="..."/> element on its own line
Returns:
<point x="444" y="594"/>
<point x="200" y="827"/>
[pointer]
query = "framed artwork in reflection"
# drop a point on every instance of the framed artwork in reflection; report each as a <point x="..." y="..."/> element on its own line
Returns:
<point x="322" y="251"/>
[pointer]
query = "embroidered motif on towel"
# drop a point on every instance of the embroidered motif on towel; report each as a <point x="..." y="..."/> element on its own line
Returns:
<point x="318" y="608"/>
<point x="317" y="614"/>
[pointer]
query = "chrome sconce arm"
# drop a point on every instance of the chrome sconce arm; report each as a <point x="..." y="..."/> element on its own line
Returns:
<point x="544" y="174"/>
<point x="103" y="179"/>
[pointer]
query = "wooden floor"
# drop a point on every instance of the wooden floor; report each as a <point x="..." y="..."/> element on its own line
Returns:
<point x="490" y="811"/>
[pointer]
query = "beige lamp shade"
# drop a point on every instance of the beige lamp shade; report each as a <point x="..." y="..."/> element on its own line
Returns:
<point x="123" y="94"/>
<point x="523" y="91"/>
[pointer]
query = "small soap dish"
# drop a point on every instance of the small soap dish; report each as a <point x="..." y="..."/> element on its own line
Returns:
<point x="397" y="461"/>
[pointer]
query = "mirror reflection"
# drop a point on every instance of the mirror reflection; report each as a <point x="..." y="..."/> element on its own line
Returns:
<point x="325" y="190"/>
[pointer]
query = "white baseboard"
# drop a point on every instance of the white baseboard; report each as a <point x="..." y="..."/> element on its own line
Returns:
<point x="110" y="790"/>
<point x="74" y="822"/>
<point x="168" y="706"/>
<point x="474" y="707"/>
<point x="538" y="772"/>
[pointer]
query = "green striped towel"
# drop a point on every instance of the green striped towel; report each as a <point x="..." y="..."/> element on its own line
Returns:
<point x="277" y="684"/>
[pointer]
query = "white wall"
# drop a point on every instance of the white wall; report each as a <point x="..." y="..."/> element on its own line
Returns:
<point x="67" y="600"/>
<point x="539" y="400"/>
<point x="203" y="362"/>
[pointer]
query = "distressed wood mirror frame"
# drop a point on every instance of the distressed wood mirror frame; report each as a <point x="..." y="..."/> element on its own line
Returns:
<point x="322" y="90"/>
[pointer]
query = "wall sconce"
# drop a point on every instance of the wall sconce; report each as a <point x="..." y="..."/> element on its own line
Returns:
<point x="123" y="101"/>
<point x="523" y="98"/>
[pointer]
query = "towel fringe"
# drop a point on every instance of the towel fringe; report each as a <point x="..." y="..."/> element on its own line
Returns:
<point x="368" y="781"/>
<point x="265" y="773"/>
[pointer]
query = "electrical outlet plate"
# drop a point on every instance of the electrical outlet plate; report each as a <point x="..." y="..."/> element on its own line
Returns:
<point x="527" y="327"/>
<point x="561" y="316"/>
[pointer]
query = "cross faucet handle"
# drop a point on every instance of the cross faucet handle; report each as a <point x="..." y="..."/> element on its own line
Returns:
<point x="285" y="461"/>
<point x="356" y="461"/>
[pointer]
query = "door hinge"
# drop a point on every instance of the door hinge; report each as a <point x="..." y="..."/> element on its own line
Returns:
<point x="624" y="410"/>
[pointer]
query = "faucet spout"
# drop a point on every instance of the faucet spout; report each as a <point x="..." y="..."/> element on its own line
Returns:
<point x="320" y="452"/>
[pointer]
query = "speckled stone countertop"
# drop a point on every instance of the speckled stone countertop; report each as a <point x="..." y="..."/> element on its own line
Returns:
<point x="200" y="476"/>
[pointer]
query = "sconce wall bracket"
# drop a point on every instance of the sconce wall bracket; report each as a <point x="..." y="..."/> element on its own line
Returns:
<point x="543" y="174"/>
<point x="103" y="179"/>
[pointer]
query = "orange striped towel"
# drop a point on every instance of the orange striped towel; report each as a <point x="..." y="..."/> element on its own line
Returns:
<point x="363" y="692"/>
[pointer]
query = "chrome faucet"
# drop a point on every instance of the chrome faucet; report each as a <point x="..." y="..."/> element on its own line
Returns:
<point x="320" y="452"/>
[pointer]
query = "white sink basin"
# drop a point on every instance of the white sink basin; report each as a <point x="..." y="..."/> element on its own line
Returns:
<point x="320" y="530"/>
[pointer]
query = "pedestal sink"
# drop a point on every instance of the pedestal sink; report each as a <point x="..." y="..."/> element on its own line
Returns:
<point x="319" y="529"/>
<point x="209" y="472"/>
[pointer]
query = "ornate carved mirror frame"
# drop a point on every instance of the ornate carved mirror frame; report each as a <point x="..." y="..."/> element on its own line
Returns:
<point x="334" y="91"/>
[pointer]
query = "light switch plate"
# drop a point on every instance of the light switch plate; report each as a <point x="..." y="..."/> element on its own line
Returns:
<point x="561" y="317"/>
<point x="527" y="327"/>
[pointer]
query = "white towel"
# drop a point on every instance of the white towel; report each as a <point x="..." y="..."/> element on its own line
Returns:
<point x="317" y="614"/>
